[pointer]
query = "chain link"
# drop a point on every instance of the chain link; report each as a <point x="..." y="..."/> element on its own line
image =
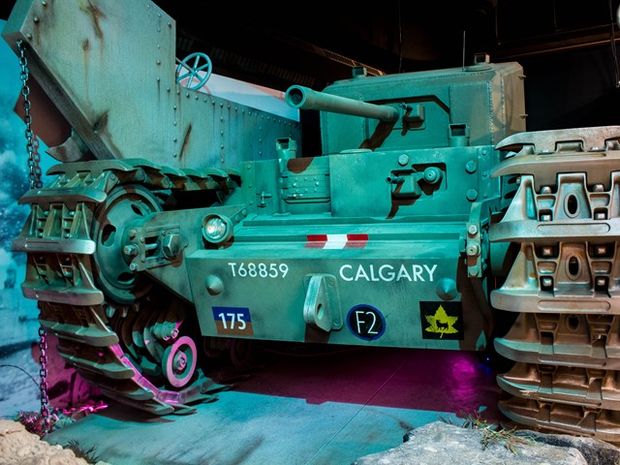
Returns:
<point x="34" y="159"/>
<point x="46" y="416"/>
<point x="34" y="178"/>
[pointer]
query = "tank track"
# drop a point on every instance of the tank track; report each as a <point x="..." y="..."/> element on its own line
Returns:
<point x="564" y="283"/>
<point x="61" y="276"/>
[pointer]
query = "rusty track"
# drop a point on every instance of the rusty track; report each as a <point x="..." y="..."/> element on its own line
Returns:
<point x="564" y="282"/>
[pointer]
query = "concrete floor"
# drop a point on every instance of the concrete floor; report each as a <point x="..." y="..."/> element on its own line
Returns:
<point x="318" y="409"/>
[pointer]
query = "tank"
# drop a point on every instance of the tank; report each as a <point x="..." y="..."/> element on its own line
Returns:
<point x="429" y="217"/>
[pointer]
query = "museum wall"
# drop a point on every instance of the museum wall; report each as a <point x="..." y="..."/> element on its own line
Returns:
<point x="18" y="316"/>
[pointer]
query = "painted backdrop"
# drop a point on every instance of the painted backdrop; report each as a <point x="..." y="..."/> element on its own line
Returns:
<point x="18" y="316"/>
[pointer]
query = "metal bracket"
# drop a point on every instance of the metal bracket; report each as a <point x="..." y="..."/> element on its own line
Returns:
<point x="322" y="305"/>
<point x="476" y="242"/>
<point x="407" y="183"/>
<point x="154" y="246"/>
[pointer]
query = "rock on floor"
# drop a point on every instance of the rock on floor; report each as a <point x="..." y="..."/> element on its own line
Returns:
<point x="594" y="451"/>
<point x="440" y="443"/>
<point x="19" y="447"/>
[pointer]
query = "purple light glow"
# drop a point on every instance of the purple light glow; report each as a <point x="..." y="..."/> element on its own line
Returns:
<point x="437" y="380"/>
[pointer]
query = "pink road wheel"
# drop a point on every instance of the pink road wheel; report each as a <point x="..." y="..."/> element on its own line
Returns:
<point x="179" y="362"/>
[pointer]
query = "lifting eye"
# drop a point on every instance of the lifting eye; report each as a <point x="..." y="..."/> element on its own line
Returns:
<point x="573" y="267"/>
<point x="572" y="322"/>
<point x="571" y="205"/>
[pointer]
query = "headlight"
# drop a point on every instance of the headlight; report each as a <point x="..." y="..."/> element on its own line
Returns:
<point x="216" y="229"/>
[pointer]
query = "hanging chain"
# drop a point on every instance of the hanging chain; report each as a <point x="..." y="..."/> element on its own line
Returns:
<point x="34" y="178"/>
<point x="34" y="160"/>
<point x="46" y="416"/>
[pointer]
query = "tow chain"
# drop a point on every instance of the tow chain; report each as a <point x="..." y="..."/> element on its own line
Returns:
<point x="34" y="179"/>
<point x="34" y="160"/>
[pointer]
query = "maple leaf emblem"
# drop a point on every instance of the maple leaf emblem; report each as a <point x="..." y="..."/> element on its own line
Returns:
<point x="441" y="323"/>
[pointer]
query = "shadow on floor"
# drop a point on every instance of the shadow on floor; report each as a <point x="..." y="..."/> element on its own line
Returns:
<point x="308" y="406"/>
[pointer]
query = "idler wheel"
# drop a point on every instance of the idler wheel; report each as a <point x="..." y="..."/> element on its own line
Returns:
<point x="124" y="205"/>
<point x="179" y="362"/>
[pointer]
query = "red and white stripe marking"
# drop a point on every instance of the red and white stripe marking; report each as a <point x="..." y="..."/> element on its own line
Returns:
<point x="336" y="241"/>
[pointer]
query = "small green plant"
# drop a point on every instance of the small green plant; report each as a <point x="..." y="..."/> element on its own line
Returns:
<point x="494" y="434"/>
<point x="449" y="421"/>
<point x="87" y="454"/>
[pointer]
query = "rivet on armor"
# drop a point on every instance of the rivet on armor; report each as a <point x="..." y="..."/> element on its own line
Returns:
<point x="472" y="195"/>
<point x="471" y="166"/>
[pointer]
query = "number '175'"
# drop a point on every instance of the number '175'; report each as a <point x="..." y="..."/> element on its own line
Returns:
<point x="233" y="321"/>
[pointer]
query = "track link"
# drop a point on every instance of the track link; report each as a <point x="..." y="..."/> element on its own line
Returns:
<point x="564" y="282"/>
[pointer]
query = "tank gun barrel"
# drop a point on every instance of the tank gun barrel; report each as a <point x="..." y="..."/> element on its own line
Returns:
<point x="303" y="98"/>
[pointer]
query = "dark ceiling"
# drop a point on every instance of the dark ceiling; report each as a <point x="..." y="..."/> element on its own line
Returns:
<point x="565" y="47"/>
<point x="317" y="42"/>
<point x="314" y="43"/>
